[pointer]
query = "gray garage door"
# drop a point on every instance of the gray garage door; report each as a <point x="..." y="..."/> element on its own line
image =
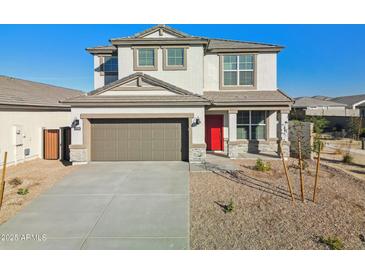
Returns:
<point x="139" y="140"/>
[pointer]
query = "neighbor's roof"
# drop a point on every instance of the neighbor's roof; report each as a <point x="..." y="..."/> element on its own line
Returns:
<point x="303" y="102"/>
<point x="248" y="97"/>
<point x="213" y="44"/>
<point x="18" y="92"/>
<point x="349" y="100"/>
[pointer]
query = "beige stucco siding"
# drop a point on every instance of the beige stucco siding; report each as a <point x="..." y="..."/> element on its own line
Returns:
<point x="31" y="123"/>
<point x="190" y="79"/>
<point x="197" y="131"/>
<point x="266" y="72"/>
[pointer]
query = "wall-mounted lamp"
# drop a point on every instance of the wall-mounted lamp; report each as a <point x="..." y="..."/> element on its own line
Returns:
<point x="75" y="123"/>
<point x="196" y="121"/>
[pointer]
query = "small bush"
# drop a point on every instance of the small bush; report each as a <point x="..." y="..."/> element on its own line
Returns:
<point x="347" y="159"/>
<point x="332" y="242"/>
<point x="23" y="191"/>
<point x="229" y="207"/>
<point x="15" y="181"/>
<point x="262" y="166"/>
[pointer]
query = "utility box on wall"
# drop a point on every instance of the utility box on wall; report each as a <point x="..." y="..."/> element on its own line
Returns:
<point x="18" y="138"/>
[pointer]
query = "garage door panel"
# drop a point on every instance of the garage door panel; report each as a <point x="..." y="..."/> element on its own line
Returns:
<point x="139" y="139"/>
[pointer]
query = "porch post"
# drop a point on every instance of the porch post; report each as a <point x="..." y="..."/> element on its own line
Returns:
<point x="232" y="134"/>
<point x="232" y="125"/>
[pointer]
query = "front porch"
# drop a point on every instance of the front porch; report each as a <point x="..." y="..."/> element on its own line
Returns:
<point x="244" y="133"/>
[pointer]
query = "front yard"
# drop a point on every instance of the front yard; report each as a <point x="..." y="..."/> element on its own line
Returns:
<point x="34" y="177"/>
<point x="263" y="216"/>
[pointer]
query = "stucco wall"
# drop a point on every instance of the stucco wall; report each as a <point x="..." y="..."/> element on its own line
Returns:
<point x="266" y="72"/>
<point x="31" y="124"/>
<point x="98" y="78"/>
<point x="190" y="79"/>
<point x="197" y="131"/>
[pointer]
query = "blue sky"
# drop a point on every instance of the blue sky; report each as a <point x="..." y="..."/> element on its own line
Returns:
<point x="318" y="59"/>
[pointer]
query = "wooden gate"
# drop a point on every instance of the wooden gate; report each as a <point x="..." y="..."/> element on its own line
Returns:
<point x="51" y="144"/>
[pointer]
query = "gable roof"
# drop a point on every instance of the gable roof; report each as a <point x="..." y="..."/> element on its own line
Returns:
<point x="351" y="100"/>
<point x="162" y="27"/>
<point x="304" y="102"/>
<point x="24" y="93"/>
<point x="213" y="45"/>
<point x="181" y="96"/>
<point x="146" y="78"/>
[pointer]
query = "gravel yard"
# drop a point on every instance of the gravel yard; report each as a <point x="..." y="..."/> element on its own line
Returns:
<point x="264" y="216"/>
<point x="36" y="176"/>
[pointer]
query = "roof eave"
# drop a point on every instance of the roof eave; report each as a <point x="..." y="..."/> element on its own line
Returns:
<point x="95" y="51"/>
<point x="157" y="41"/>
<point x="249" y="50"/>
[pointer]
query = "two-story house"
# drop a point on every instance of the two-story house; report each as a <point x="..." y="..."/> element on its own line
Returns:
<point x="165" y="95"/>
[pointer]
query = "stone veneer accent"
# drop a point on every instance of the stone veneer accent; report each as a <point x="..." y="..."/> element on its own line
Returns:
<point x="236" y="149"/>
<point x="197" y="153"/>
<point x="78" y="154"/>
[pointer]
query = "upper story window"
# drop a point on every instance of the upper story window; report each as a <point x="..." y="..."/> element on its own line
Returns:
<point x="111" y="64"/>
<point x="174" y="58"/>
<point x="109" y="68"/>
<point x="238" y="71"/>
<point x="251" y="125"/>
<point x="145" y="58"/>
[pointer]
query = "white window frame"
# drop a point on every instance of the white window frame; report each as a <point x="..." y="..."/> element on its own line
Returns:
<point x="250" y="124"/>
<point x="238" y="70"/>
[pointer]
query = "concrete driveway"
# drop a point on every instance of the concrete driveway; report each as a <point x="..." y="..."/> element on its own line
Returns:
<point x="114" y="205"/>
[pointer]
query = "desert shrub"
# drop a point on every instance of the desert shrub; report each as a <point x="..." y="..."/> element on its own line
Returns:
<point x="229" y="207"/>
<point x="317" y="144"/>
<point x="319" y="123"/>
<point x="23" y="191"/>
<point x="332" y="242"/>
<point x="347" y="158"/>
<point x="15" y="181"/>
<point x="262" y="166"/>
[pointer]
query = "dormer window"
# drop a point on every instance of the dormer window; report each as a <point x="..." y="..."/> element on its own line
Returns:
<point x="238" y="71"/>
<point x="145" y="58"/>
<point x="174" y="58"/>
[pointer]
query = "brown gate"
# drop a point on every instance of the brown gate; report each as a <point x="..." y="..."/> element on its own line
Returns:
<point x="51" y="144"/>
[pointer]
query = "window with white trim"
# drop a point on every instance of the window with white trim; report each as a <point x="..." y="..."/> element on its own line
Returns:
<point x="251" y="124"/>
<point x="238" y="70"/>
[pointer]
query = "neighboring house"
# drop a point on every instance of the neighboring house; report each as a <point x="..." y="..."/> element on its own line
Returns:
<point x="338" y="111"/>
<point x="165" y="95"/>
<point x="314" y="106"/>
<point x="32" y="120"/>
<point x="355" y="102"/>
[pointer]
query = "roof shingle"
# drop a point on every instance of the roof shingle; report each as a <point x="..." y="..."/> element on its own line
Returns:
<point x="15" y="91"/>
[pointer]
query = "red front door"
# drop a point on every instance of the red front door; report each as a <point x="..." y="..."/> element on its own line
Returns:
<point x="214" y="132"/>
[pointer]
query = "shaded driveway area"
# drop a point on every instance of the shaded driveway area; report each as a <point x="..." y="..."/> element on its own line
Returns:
<point x="110" y="205"/>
